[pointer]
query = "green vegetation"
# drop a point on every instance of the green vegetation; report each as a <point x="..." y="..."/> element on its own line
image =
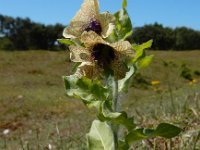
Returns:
<point x="103" y="56"/>
<point x="165" y="38"/>
<point x="37" y="113"/>
<point x="24" y="34"/>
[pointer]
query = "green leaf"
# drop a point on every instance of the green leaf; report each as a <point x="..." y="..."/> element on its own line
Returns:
<point x="90" y="91"/>
<point x="119" y="118"/>
<point x="139" y="49"/>
<point x="124" y="4"/>
<point x="138" y="134"/>
<point x="167" y="130"/>
<point x="124" y="25"/>
<point x="100" y="137"/>
<point x="123" y="145"/>
<point x="75" y="42"/>
<point x="123" y="84"/>
<point x="75" y="66"/>
<point x="164" y="130"/>
<point x="143" y="46"/>
<point x="66" y="41"/>
<point x="123" y="28"/>
<point x="144" y="62"/>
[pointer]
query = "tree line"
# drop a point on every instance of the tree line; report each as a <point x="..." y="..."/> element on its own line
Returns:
<point x="24" y="34"/>
<point x="165" y="38"/>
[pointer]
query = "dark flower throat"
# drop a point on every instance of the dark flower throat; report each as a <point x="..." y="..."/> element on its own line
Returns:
<point x="103" y="54"/>
<point x="94" y="26"/>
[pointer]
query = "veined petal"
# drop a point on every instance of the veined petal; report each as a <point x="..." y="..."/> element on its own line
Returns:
<point x="119" y="68"/>
<point x="123" y="53"/>
<point x="89" y="10"/>
<point x="113" y="56"/>
<point x="73" y="30"/>
<point x="79" y="54"/>
<point x="86" y="69"/>
<point x="90" y="38"/>
<point x="107" y="23"/>
<point x="123" y="47"/>
<point x="102" y="56"/>
<point x="119" y="65"/>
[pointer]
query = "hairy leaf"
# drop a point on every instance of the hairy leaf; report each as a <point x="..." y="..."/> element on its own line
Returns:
<point x="124" y="83"/>
<point x="144" y="62"/>
<point x="119" y="118"/>
<point x="164" y="130"/>
<point x="76" y="42"/>
<point x="123" y="145"/>
<point x="66" y="41"/>
<point x="123" y="28"/>
<point x="100" y="137"/>
<point x="167" y="130"/>
<point x="137" y="135"/>
<point x="139" y="49"/>
<point x="90" y="91"/>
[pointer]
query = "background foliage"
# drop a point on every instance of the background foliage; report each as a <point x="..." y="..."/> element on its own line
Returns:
<point x="24" y="34"/>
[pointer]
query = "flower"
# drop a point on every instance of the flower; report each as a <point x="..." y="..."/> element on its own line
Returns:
<point x="194" y="81"/>
<point x="99" y="56"/>
<point x="89" y="19"/>
<point x="155" y="82"/>
<point x="6" y="131"/>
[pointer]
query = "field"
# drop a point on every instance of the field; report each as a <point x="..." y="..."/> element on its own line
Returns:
<point x="36" y="114"/>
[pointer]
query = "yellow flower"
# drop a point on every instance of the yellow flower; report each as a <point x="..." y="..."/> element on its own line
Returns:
<point x="89" y="19"/>
<point x="155" y="82"/>
<point x="194" y="81"/>
<point x="98" y="56"/>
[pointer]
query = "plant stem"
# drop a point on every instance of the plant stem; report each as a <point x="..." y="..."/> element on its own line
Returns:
<point x="115" y="106"/>
<point x="115" y="96"/>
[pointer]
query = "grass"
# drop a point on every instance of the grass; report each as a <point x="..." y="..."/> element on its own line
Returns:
<point x="37" y="113"/>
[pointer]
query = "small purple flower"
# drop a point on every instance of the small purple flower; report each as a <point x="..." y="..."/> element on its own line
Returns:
<point x="94" y="26"/>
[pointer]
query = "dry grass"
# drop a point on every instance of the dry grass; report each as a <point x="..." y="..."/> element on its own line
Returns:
<point x="36" y="111"/>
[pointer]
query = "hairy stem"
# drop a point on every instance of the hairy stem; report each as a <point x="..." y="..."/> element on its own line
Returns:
<point x="115" y="106"/>
<point x="115" y="96"/>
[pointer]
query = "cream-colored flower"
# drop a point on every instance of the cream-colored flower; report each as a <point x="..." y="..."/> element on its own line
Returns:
<point x="89" y="19"/>
<point x="98" y="56"/>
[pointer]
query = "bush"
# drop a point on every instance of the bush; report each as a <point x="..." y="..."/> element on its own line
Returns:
<point x="5" y="44"/>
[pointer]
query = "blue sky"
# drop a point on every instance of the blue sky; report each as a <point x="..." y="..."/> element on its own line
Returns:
<point x="170" y="13"/>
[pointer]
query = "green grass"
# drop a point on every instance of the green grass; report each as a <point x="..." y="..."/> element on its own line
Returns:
<point x="33" y="105"/>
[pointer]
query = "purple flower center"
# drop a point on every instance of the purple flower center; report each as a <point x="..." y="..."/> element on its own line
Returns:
<point x="94" y="26"/>
<point x="103" y="54"/>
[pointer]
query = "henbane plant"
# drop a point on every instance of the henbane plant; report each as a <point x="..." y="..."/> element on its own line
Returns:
<point x="106" y="63"/>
